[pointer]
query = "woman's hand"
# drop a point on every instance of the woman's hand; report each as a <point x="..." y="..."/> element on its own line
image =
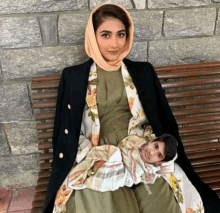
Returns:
<point x="97" y="165"/>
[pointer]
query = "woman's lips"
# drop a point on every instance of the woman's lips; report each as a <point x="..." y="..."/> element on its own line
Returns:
<point x="113" y="52"/>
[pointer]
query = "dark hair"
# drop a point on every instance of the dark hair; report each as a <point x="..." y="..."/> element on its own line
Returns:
<point x="113" y="11"/>
<point x="170" y="146"/>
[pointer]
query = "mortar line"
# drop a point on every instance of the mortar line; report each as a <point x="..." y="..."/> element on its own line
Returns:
<point x="216" y="21"/>
<point x="58" y="38"/>
<point x="162" y="28"/>
<point x="146" y="6"/>
<point x="41" y="31"/>
<point x="30" y="99"/>
<point x="212" y="5"/>
<point x="89" y="5"/>
<point x="1" y="70"/>
<point x="7" y="141"/>
<point x="133" y="4"/>
<point x="148" y="46"/>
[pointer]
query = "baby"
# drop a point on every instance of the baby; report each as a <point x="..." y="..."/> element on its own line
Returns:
<point x="156" y="151"/>
<point x="135" y="160"/>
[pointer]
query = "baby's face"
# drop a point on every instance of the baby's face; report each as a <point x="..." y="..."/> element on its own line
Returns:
<point x="153" y="152"/>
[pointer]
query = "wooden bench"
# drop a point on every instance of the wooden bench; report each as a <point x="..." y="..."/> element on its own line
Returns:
<point x="193" y="92"/>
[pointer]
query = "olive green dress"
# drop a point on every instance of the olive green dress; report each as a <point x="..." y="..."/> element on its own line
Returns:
<point x="114" y="115"/>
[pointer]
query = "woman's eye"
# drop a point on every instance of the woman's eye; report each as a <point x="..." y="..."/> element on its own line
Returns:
<point x="156" y="145"/>
<point x="105" y="35"/>
<point x="121" y="35"/>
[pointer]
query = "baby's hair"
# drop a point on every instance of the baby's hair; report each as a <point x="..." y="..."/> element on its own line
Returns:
<point x="170" y="146"/>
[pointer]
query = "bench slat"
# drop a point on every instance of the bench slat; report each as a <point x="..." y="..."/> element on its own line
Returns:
<point x="46" y="78"/>
<point x="45" y="135"/>
<point x="194" y="82"/>
<point x="45" y="85"/>
<point x="41" y="126"/>
<point x="201" y="128"/>
<point x="182" y="67"/>
<point x="201" y="119"/>
<point x="200" y="147"/>
<point x="203" y="154"/>
<point x="209" y="173"/>
<point x="215" y="186"/>
<point x="44" y="104"/>
<point x="181" y="112"/>
<point x="201" y="137"/>
<point x="44" y="95"/>
<point x="206" y="160"/>
<point x="40" y="196"/>
<point x="201" y="92"/>
<point x="45" y="156"/>
<point x="208" y="167"/>
<point x="44" y="166"/>
<point x="213" y="179"/>
<point x="44" y="115"/>
<point x="187" y="73"/>
<point x="45" y="145"/>
<point x="193" y="101"/>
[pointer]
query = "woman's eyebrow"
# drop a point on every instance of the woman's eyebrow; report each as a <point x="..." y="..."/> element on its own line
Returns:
<point x="120" y="31"/>
<point x="106" y="31"/>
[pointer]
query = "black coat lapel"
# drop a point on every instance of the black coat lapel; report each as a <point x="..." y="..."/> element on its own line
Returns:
<point x="78" y="87"/>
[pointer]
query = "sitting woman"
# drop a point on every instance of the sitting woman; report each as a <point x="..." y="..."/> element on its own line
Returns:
<point x="103" y="101"/>
<point x="135" y="160"/>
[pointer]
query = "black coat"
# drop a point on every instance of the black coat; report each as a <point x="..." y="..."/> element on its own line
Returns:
<point x="72" y="92"/>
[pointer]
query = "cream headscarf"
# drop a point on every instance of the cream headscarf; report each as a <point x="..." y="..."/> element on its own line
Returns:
<point x="92" y="48"/>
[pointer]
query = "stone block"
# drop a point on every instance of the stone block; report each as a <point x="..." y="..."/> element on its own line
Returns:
<point x="147" y="24"/>
<point x="19" y="170"/>
<point x="184" y="51"/>
<point x="48" y="26"/>
<point x="32" y="6"/>
<point x="138" y="51"/>
<point x="19" y="32"/>
<point x="216" y="0"/>
<point x="4" y="148"/>
<point x="218" y="24"/>
<point x="140" y="4"/>
<point x="25" y="63"/>
<point x="22" y="137"/>
<point x="155" y="4"/>
<point x="71" y="27"/>
<point x="189" y="22"/>
<point x="14" y="103"/>
<point x="124" y="3"/>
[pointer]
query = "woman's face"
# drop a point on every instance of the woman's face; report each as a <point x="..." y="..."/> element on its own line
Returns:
<point x="111" y="38"/>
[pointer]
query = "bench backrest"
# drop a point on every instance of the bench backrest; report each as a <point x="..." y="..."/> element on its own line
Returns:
<point x="193" y="92"/>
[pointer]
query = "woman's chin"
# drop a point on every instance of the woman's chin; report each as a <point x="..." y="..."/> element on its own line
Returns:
<point x="111" y="58"/>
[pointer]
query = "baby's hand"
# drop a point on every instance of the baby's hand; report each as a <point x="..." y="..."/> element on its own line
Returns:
<point x="97" y="165"/>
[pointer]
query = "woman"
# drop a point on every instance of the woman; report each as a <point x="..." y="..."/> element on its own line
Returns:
<point x="103" y="100"/>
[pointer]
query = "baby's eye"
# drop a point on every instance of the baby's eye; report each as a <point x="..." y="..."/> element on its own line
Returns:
<point x="159" y="155"/>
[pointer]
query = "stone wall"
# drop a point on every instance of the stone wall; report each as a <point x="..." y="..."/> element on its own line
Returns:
<point x="41" y="37"/>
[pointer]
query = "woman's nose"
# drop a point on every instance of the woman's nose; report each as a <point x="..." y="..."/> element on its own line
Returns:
<point x="114" y="42"/>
